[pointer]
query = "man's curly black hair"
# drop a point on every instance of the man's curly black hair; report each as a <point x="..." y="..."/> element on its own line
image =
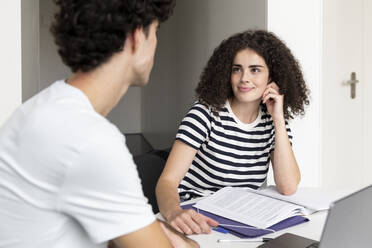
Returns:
<point x="89" y="32"/>
<point x="214" y="87"/>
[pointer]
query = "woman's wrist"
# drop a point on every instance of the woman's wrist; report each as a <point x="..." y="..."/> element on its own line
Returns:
<point x="279" y="121"/>
<point x="173" y="212"/>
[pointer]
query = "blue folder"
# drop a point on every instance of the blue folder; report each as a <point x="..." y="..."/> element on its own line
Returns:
<point x="246" y="231"/>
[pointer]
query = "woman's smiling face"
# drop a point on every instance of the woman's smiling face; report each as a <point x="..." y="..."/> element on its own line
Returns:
<point x="249" y="76"/>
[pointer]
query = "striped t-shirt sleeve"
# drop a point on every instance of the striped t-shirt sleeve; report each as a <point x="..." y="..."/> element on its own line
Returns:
<point x="289" y="133"/>
<point x="195" y="127"/>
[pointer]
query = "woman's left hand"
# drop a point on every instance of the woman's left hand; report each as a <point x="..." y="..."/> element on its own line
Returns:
<point x="273" y="100"/>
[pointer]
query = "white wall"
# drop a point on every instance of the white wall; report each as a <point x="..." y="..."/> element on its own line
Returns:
<point x="299" y="24"/>
<point x="185" y="44"/>
<point x="10" y="64"/>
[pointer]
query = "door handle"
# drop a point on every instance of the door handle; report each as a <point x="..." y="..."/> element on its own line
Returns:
<point x="352" y="82"/>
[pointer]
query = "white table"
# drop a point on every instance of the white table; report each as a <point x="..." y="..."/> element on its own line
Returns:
<point x="311" y="229"/>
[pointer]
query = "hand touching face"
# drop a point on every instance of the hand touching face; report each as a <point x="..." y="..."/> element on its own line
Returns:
<point x="273" y="100"/>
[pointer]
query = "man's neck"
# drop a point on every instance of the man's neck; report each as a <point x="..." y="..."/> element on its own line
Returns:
<point x="104" y="86"/>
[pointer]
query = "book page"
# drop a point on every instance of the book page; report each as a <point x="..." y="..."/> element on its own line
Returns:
<point x="248" y="208"/>
<point x="314" y="199"/>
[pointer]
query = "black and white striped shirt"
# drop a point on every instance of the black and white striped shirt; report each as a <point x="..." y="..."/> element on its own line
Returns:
<point x="229" y="152"/>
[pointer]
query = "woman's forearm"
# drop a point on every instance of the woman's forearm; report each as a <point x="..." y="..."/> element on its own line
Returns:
<point x="167" y="198"/>
<point x="286" y="172"/>
<point x="178" y="163"/>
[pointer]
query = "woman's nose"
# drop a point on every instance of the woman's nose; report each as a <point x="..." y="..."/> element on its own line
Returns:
<point x="245" y="77"/>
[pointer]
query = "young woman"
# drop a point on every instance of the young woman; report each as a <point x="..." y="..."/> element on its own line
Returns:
<point x="250" y="86"/>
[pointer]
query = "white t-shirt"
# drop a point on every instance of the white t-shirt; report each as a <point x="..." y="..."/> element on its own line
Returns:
<point x="67" y="178"/>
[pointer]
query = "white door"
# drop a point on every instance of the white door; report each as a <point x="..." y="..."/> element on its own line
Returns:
<point x="367" y="91"/>
<point x="343" y="119"/>
<point x="331" y="39"/>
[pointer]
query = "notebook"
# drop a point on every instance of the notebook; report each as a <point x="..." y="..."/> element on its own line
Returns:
<point x="246" y="231"/>
<point x="248" y="207"/>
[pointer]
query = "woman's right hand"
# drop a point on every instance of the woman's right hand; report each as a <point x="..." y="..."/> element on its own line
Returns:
<point x="190" y="222"/>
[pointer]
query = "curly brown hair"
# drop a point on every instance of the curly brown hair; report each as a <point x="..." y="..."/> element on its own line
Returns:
<point x="214" y="87"/>
<point x="88" y="33"/>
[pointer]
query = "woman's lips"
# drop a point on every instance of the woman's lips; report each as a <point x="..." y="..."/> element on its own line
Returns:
<point x="245" y="89"/>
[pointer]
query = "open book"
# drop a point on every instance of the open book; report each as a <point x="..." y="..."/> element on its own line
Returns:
<point x="261" y="208"/>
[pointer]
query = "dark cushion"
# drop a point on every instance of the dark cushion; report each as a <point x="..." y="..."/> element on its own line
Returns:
<point x="150" y="166"/>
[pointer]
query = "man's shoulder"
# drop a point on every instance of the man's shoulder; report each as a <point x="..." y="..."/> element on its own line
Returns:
<point x="61" y="114"/>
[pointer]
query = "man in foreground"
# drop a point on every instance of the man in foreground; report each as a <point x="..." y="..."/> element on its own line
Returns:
<point x="67" y="177"/>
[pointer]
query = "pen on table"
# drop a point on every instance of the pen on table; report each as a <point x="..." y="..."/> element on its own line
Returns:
<point x="244" y="240"/>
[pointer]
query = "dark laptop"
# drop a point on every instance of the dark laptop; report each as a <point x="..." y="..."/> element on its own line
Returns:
<point x="348" y="225"/>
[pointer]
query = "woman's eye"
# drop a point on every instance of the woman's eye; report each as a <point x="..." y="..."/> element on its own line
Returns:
<point x="255" y="70"/>
<point x="236" y="69"/>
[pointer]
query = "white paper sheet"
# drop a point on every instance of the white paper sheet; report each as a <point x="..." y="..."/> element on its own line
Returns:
<point x="311" y="198"/>
<point x="249" y="208"/>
